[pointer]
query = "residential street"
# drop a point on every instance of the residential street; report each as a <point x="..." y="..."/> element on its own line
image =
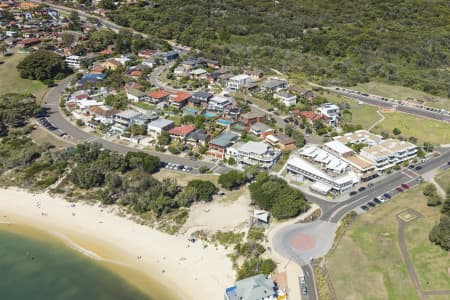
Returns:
<point x="56" y="118"/>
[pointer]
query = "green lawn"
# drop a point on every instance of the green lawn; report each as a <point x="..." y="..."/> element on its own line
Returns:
<point x="402" y="93"/>
<point x="443" y="179"/>
<point x="362" y="114"/>
<point x="144" y="105"/>
<point x="425" y="130"/>
<point x="11" y="81"/>
<point x="367" y="264"/>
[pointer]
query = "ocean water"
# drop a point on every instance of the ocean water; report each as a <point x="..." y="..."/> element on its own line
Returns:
<point x="42" y="269"/>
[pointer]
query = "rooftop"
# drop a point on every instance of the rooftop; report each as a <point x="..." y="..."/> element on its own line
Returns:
<point x="183" y="130"/>
<point x="158" y="94"/>
<point x="338" y="147"/>
<point x="180" y="96"/>
<point x="359" y="136"/>
<point x="128" y="114"/>
<point x="396" y="145"/>
<point x="224" y="139"/>
<point x="240" y="77"/>
<point x="260" y="127"/>
<point x="160" y="123"/>
<point x="258" y="148"/>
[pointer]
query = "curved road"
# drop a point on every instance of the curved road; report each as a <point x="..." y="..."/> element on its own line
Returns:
<point x="323" y="229"/>
<point x="56" y="118"/>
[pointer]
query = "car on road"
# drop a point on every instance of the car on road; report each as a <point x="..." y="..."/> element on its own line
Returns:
<point x="304" y="290"/>
<point x="399" y="189"/>
<point x="270" y="110"/>
<point x="353" y="193"/>
<point x="371" y="204"/>
<point x="361" y="189"/>
<point x="417" y="168"/>
<point x="364" y="207"/>
<point x="376" y="200"/>
<point x="387" y="196"/>
<point x="411" y="166"/>
<point x="405" y="186"/>
<point x="276" y="113"/>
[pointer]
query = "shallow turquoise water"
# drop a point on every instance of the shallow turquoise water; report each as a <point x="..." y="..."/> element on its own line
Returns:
<point x="43" y="270"/>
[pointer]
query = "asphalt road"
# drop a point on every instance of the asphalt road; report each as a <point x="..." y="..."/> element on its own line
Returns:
<point x="373" y="100"/>
<point x="332" y="212"/>
<point x="56" y="118"/>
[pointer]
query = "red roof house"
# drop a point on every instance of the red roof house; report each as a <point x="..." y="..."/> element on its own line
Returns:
<point x="181" y="131"/>
<point x="158" y="96"/>
<point x="180" y="99"/>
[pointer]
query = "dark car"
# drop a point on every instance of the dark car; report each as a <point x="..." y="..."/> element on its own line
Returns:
<point x="371" y="204"/>
<point x="399" y="189"/>
<point x="411" y="166"/>
<point x="364" y="207"/>
<point x="353" y="193"/>
<point x="50" y="85"/>
<point x="362" y="189"/>
<point x="405" y="186"/>
<point x="270" y="110"/>
<point x="276" y="113"/>
<point x="376" y="200"/>
<point x="417" y="168"/>
<point x="387" y="196"/>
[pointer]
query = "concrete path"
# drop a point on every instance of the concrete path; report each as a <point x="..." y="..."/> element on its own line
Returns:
<point x="377" y="122"/>
<point x="409" y="265"/>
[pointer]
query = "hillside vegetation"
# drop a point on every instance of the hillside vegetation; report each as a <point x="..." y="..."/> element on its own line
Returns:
<point x="345" y="42"/>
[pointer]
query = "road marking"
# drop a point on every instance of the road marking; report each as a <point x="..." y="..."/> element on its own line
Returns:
<point x="410" y="173"/>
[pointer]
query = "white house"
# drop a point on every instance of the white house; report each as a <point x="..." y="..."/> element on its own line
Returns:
<point x="74" y="61"/>
<point x="286" y="98"/>
<point x="331" y="111"/>
<point x="253" y="153"/>
<point x="218" y="103"/>
<point x="238" y="81"/>
<point x="155" y="128"/>
<point x="136" y="95"/>
<point x="124" y="120"/>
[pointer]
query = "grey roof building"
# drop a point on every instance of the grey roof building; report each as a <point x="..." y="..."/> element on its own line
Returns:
<point x="257" y="287"/>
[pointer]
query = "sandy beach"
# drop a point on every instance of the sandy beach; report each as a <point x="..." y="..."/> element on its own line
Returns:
<point x="168" y="266"/>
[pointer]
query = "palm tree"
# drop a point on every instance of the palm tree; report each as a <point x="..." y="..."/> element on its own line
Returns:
<point x="3" y="48"/>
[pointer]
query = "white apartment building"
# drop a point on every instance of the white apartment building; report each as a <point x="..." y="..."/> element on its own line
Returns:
<point x="74" y="61"/>
<point x="389" y="153"/>
<point x="320" y="166"/>
<point x="364" y="168"/>
<point x="124" y="120"/>
<point x="238" y="81"/>
<point x="360" y="137"/>
<point x="253" y="153"/>
<point x="286" y="98"/>
<point x="331" y="111"/>
<point x="155" y="128"/>
<point x="218" y="103"/>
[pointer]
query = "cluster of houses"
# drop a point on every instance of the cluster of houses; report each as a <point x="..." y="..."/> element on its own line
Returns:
<point x="27" y="24"/>
<point x="336" y="167"/>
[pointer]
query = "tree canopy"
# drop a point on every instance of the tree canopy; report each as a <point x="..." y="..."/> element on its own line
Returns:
<point x="43" y="65"/>
<point x="275" y="195"/>
<point x="343" y="42"/>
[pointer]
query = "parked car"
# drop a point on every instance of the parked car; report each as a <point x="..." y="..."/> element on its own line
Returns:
<point x="361" y="189"/>
<point x="387" y="196"/>
<point x="411" y="166"/>
<point x="376" y="200"/>
<point x="371" y="204"/>
<point x="417" y="168"/>
<point x="364" y="207"/>
<point x="405" y="186"/>
<point x="399" y="189"/>
<point x="353" y="193"/>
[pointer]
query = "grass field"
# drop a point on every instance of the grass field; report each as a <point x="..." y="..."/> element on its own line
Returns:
<point x="402" y="93"/>
<point x="425" y="130"/>
<point x="367" y="264"/>
<point x="11" y="81"/>
<point x="362" y="114"/>
<point x="42" y="136"/>
<point x="443" y="179"/>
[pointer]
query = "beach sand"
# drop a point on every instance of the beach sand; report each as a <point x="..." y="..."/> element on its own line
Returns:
<point x="165" y="266"/>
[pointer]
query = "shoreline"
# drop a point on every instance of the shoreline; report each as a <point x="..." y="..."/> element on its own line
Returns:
<point x="160" y="265"/>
